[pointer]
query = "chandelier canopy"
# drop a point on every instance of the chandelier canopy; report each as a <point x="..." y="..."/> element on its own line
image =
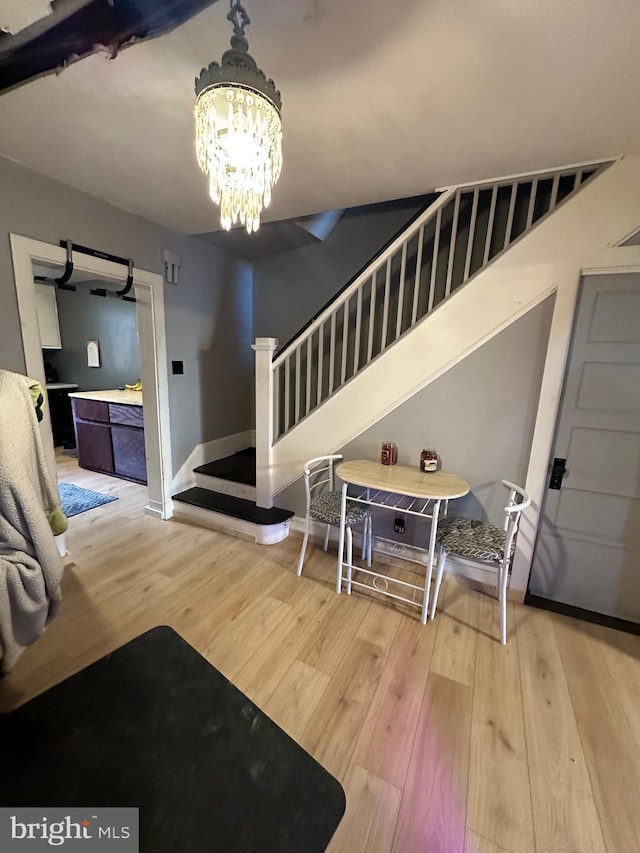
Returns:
<point x="238" y="130"/>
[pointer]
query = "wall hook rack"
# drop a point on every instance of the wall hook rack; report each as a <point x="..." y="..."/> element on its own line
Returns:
<point x="129" y="283"/>
<point x="68" y="269"/>
<point x="95" y="253"/>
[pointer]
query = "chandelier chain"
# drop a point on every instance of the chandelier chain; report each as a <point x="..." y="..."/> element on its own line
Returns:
<point x="236" y="8"/>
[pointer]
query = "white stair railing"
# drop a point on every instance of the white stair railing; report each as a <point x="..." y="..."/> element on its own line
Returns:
<point x="462" y="231"/>
<point x="456" y="236"/>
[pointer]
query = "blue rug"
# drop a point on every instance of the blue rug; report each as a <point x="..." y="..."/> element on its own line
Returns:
<point x="76" y="500"/>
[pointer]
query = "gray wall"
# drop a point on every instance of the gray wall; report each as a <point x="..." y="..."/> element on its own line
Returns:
<point x="479" y="416"/>
<point x="112" y="322"/>
<point x="290" y="288"/>
<point x="208" y="316"/>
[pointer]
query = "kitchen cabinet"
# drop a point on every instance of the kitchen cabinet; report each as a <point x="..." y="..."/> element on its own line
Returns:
<point x="94" y="446"/>
<point x="110" y="433"/>
<point x="128" y="453"/>
<point x="47" y="309"/>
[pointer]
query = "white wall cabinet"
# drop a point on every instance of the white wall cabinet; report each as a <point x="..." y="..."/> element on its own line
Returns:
<point x="47" y="309"/>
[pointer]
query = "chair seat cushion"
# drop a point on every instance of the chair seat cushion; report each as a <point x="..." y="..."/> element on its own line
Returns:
<point x="326" y="508"/>
<point x="469" y="537"/>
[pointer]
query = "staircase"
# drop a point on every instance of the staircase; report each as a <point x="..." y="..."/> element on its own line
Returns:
<point x="224" y="499"/>
<point x="477" y="259"/>
<point x="474" y="261"/>
<point x="233" y="475"/>
<point x="457" y="236"/>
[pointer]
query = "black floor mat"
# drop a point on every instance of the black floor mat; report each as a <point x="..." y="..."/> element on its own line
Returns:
<point x="154" y="725"/>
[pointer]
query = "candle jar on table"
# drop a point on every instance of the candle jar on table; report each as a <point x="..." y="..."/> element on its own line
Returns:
<point x="389" y="454"/>
<point x="428" y="461"/>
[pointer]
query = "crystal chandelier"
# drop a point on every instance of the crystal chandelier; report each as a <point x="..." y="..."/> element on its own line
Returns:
<point x="238" y="130"/>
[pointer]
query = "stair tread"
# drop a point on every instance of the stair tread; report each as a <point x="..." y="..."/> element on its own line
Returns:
<point x="240" y="467"/>
<point x="232" y="506"/>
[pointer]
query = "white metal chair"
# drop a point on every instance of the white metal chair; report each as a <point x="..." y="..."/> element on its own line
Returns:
<point x="324" y="504"/>
<point x="483" y="543"/>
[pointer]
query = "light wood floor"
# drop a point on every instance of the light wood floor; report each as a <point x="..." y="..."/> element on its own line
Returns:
<point x="445" y="741"/>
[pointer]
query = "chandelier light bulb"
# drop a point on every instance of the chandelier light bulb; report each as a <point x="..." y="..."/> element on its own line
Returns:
<point x="238" y="131"/>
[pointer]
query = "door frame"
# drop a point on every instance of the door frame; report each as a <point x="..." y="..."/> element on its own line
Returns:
<point x="613" y="259"/>
<point x="149" y="292"/>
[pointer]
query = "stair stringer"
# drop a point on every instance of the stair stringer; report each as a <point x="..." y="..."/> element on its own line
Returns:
<point x="498" y="295"/>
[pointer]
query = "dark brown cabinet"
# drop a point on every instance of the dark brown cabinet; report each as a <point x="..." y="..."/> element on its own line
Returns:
<point x="94" y="446"/>
<point x="128" y="453"/>
<point x="91" y="410"/>
<point x="110" y="438"/>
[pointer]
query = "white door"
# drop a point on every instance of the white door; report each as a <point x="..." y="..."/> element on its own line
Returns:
<point x="588" y="551"/>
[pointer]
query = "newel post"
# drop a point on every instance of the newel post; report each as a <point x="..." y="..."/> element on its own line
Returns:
<point x="264" y="349"/>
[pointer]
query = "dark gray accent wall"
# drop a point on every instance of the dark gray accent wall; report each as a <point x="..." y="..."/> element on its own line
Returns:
<point x="112" y="322"/>
<point x="208" y="315"/>
<point x="479" y="416"/>
<point x="290" y="288"/>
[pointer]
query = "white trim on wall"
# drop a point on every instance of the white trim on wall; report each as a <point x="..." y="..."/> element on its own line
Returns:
<point x="149" y="294"/>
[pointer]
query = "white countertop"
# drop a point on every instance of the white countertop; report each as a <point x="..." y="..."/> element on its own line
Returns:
<point x="126" y="398"/>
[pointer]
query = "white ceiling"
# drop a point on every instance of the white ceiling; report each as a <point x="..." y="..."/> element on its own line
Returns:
<point x="381" y="100"/>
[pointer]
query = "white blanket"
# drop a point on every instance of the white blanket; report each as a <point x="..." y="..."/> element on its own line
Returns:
<point x="30" y="564"/>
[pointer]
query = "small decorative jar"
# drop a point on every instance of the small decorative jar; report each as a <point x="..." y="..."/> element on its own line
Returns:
<point x="428" y="461"/>
<point x="389" y="454"/>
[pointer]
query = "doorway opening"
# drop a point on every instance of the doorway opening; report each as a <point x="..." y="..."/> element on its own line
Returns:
<point x="29" y="255"/>
<point x="89" y="338"/>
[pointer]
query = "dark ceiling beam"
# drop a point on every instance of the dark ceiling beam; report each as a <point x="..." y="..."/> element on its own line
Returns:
<point x="79" y="28"/>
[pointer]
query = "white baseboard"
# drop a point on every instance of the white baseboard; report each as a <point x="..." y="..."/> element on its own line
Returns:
<point x="156" y="509"/>
<point x="209" y="451"/>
